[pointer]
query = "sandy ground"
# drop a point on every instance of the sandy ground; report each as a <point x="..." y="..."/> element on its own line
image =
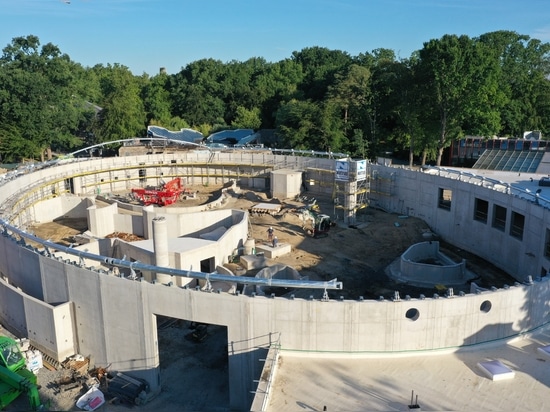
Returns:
<point x="194" y="375"/>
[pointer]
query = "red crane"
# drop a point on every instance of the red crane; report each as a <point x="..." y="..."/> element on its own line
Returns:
<point x="166" y="194"/>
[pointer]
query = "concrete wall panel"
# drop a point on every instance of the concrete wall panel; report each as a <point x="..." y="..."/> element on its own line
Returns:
<point x="54" y="280"/>
<point x="12" y="308"/>
<point x="62" y="206"/>
<point x="121" y="304"/>
<point x="128" y="224"/>
<point x="27" y="277"/>
<point x="50" y="329"/>
<point x="85" y="292"/>
<point x="101" y="220"/>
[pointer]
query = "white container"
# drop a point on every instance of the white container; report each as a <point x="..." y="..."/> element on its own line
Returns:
<point x="34" y="361"/>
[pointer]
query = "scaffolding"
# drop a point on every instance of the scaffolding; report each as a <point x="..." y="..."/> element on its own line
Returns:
<point x="351" y="190"/>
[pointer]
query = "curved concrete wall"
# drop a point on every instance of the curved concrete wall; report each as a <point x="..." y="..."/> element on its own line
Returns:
<point x="109" y="311"/>
<point x="412" y="270"/>
<point x="417" y="194"/>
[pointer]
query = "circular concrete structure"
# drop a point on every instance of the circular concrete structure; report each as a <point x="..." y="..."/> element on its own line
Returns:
<point x="71" y="301"/>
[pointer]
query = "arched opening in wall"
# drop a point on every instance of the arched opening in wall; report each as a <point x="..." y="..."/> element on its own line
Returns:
<point x="412" y="314"/>
<point x="485" y="306"/>
<point x="193" y="361"/>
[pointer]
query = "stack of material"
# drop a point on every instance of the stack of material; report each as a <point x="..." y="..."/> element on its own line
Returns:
<point x="78" y="363"/>
<point x="269" y="208"/>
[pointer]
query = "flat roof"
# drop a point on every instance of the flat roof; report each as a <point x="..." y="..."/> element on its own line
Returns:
<point x="441" y="381"/>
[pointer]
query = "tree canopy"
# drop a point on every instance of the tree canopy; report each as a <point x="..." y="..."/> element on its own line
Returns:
<point x="317" y="99"/>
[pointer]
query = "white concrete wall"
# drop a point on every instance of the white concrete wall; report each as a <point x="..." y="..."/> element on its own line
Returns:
<point x="50" y="328"/>
<point x="62" y="206"/>
<point x="417" y="195"/>
<point x="235" y="221"/>
<point x="101" y="221"/>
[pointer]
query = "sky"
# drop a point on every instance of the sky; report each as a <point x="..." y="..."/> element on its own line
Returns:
<point x="145" y="35"/>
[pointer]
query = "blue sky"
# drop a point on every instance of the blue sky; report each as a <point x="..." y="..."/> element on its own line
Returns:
<point x="145" y="35"/>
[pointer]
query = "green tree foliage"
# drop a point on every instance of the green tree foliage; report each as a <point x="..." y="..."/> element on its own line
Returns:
<point x="247" y="119"/>
<point x="459" y="77"/>
<point x="297" y="122"/>
<point x="123" y="115"/>
<point x="196" y="92"/>
<point x="524" y="65"/>
<point x="320" y="66"/>
<point x="317" y="99"/>
<point x="309" y="125"/>
<point x="36" y="99"/>
<point x="351" y="92"/>
<point x="276" y="85"/>
<point x="156" y="100"/>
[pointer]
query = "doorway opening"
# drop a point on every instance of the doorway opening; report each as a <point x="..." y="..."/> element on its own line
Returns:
<point x="193" y="361"/>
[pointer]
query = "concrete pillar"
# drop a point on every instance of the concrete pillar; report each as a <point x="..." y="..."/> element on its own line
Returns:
<point x="160" y="246"/>
<point x="350" y="202"/>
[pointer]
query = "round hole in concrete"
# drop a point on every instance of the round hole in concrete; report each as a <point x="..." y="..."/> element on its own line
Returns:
<point x="485" y="306"/>
<point x="412" y="314"/>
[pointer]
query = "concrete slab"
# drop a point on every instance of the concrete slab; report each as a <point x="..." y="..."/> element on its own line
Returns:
<point x="270" y="208"/>
<point x="443" y="381"/>
<point x="273" y="252"/>
<point x="253" y="261"/>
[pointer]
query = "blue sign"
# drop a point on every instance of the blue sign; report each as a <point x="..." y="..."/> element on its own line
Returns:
<point x="342" y="170"/>
<point x="361" y="170"/>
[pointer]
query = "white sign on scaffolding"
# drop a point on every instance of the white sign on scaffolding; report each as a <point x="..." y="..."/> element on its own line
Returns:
<point x="342" y="170"/>
<point x="361" y="170"/>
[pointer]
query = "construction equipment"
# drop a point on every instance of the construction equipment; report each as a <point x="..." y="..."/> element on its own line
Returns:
<point x="15" y="378"/>
<point x="163" y="195"/>
<point x="315" y="224"/>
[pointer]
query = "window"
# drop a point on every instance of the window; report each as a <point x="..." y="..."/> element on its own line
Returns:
<point x="517" y="224"/>
<point x="499" y="217"/>
<point x="547" y="244"/>
<point x="481" y="211"/>
<point x="445" y="198"/>
<point x="142" y="174"/>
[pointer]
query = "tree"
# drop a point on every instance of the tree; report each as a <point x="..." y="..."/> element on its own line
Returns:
<point x="196" y="92"/>
<point x="296" y="122"/>
<point x="402" y="108"/>
<point x="276" y="85"/>
<point x="37" y="99"/>
<point x="459" y="78"/>
<point x="123" y="115"/>
<point x="247" y="119"/>
<point x="156" y="100"/>
<point x="320" y="66"/>
<point x="306" y="125"/>
<point x="351" y="90"/>
<point x="524" y="65"/>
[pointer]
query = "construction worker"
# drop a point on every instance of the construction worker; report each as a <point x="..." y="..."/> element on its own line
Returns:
<point x="270" y="232"/>
<point x="275" y="241"/>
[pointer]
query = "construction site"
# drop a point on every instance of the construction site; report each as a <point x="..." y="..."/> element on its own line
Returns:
<point x="183" y="239"/>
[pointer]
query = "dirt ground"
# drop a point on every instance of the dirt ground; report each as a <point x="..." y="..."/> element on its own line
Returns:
<point x="356" y="256"/>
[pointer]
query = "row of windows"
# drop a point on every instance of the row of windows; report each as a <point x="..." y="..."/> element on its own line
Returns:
<point x="500" y="214"/>
<point x="481" y="214"/>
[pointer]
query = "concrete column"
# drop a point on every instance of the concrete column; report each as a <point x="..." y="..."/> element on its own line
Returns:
<point x="160" y="246"/>
<point x="350" y="202"/>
